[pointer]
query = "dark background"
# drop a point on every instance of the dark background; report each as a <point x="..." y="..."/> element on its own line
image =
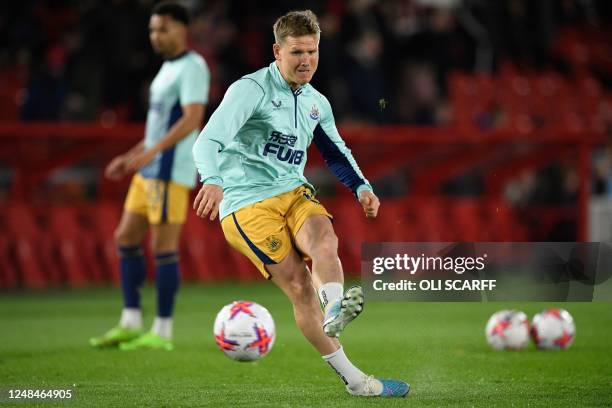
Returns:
<point x="78" y="60"/>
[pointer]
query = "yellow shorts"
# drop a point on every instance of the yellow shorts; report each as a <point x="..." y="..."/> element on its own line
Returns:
<point x="264" y="232"/>
<point x="162" y="202"/>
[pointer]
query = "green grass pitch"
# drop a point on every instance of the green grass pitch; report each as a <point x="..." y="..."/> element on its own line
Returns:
<point x="439" y="348"/>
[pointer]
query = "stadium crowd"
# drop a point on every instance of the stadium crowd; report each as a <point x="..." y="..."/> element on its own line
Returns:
<point x="382" y="61"/>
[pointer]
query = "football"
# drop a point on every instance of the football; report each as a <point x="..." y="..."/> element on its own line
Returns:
<point x="553" y="329"/>
<point x="508" y="330"/>
<point x="244" y="331"/>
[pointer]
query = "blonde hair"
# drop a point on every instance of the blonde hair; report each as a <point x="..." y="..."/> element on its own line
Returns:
<point x="296" y="24"/>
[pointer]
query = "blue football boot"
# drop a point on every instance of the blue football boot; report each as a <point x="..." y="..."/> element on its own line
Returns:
<point x="374" y="387"/>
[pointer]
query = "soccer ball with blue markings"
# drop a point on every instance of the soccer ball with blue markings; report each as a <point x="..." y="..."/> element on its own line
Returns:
<point x="244" y="331"/>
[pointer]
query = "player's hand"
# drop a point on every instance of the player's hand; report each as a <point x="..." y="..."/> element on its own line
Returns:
<point x="370" y="203"/>
<point x="116" y="169"/>
<point x="139" y="160"/>
<point x="208" y="200"/>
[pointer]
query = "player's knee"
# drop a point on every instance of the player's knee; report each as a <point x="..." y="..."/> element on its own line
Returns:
<point x="163" y="246"/>
<point x="123" y="237"/>
<point x="300" y="290"/>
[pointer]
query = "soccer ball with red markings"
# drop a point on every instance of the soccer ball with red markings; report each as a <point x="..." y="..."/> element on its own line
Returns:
<point x="244" y="331"/>
<point x="508" y="330"/>
<point x="553" y="329"/>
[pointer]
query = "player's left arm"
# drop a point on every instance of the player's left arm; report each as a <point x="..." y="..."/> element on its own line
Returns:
<point x="193" y="85"/>
<point x="340" y="160"/>
<point x="370" y="203"/>
<point x="189" y="121"/>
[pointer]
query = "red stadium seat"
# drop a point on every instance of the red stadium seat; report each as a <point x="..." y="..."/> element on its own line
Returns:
<point x="395" y="222"/>
<point x="102" y="218"/>
<point x="75" y="247"/>
<point x="502" y="223"/>
<point x="206" y="249"/>
<point x="467" y="219"/>
<point x="352" y="229"/>
<point x="33" y="259"/>
<point x="8" y="273"/>
<point x="432" y="220"/>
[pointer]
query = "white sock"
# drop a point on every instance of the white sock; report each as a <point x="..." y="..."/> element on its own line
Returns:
<point x="339" y="362"/>
<point x="162" y="326"/>
<point x="131" y="318"/>
<point x="329" y="293"/>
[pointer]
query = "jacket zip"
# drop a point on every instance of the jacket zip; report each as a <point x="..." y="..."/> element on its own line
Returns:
<point x="295" y="95"/>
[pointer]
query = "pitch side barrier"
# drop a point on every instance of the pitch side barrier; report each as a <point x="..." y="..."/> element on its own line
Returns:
<point x="48" y="238"/>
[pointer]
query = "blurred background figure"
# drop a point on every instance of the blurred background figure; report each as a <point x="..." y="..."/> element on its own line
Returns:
<point x="158" y="197"/>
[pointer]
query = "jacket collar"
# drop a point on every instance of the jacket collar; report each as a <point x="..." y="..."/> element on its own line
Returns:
<point x="181" y="55"/>
<point x="280" y="82"/>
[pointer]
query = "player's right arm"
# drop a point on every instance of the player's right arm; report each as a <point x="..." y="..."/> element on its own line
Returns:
<point x="238" y="105"/>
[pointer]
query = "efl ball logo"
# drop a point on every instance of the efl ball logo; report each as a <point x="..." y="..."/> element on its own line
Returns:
<point x="244" y="331"/>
